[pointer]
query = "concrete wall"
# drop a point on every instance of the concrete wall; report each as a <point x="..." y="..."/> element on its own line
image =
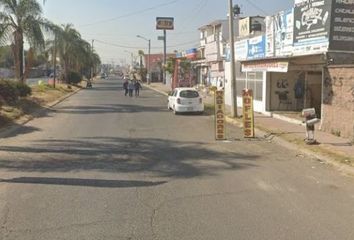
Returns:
<point x="338" y="101"/>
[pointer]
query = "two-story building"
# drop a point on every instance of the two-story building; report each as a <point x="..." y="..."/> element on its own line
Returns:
<point x="213" y="40"/>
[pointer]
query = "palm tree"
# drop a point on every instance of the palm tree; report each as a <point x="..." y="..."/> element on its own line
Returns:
<point x="74" y="52"/>
<point x="21" y="20"/>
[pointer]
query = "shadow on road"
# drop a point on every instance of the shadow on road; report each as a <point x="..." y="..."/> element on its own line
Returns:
<point x="159" y="157"/>
<point x="112" y="108"/>
<point x="82" y="182"/>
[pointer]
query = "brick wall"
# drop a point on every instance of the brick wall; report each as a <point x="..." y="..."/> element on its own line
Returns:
<point x="338" y="101"/>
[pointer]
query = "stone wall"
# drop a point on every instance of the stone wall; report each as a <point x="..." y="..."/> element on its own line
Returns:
<point x="338" y="101"/>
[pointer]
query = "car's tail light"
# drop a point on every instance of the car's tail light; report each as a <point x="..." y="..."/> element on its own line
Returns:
<point x="200" y="100"/>
<point x="178" y="100"/>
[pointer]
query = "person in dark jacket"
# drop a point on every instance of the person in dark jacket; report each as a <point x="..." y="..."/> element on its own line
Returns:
<point x="125" y="87"/>
<point x="137" y="88"/>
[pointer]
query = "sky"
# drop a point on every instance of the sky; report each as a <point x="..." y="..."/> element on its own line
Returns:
<point x="114" y="24"/>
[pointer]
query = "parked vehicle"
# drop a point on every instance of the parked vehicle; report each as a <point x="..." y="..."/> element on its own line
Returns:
<point x="183" y="100"/>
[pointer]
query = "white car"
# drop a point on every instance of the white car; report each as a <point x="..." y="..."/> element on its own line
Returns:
<point x="183" y="100"/>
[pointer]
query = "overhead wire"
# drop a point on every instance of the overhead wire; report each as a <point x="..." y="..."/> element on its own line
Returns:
<point x="131" y="14"/>
<point x="136" y="47"/>
<point x="256" y="7"/>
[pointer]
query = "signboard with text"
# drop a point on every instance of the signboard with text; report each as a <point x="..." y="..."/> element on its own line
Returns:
<point x="265" y="66"/>
<point x="312" y="20"/>
<point x="248" y="113"/>
<point x="256" y="47"/>
<point x="284" y="32"/>
<point x="164" y="23"/>
<point x="220" y="115"/>
<point x="342" y="27"/>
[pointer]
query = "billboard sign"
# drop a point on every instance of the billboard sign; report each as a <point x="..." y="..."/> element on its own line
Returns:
<point x="245" y="27"/>
<point x="312" y="26"/>
<point x="342" y="28"/>
<point x="269" y="20"/>
<point x="220" y="115"/>
<point x="164" y="23"/>
<point x="241" y="50"/>
<point x="284" y="32"/>
<point x="256" y="48"/>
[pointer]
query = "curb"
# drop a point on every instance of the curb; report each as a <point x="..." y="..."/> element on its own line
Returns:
<point x="156" y="90"/>
<point x="345" y="169"/>
<point x="26" y="119"/>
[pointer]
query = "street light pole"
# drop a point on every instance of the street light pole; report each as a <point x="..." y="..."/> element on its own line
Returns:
<point x="164" y="56"/>
<point x="232" y="52"/>
<point x="148" y="61"/>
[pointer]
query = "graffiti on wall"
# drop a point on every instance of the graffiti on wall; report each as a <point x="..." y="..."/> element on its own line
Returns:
<point x="282" y="84"/>
<point x="339" y="90"/>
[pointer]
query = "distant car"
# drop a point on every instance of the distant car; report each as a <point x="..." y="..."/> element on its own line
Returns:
<point x="183" y="100"/>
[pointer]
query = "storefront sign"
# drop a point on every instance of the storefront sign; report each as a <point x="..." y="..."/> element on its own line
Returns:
<point x="312" y="26"/>
<point x="248" y="113"/>
<point x="342" y="28"/>
<point x="245" y="27"/>
<point x="265" y="66"/>
<point x="164" y="23"/>
<point x="256" y="48"/>
<point x="220" y="115"/>
<point x="241" y="50"/>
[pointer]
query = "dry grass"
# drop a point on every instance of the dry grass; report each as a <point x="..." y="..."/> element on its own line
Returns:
<point x="42" y="95"/>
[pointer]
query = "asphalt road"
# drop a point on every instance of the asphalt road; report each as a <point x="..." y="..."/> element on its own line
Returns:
<point x="104" y="166"/>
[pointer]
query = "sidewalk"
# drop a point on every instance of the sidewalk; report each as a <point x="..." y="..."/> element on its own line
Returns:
<point x="330" y="147"/>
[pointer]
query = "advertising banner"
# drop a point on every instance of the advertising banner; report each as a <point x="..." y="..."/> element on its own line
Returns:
<point x="284" y="32"/>
<point x="342" y="29"/>
<point x="270" y="52"/>
<point x="256" y="48"/>
<point x="312" y="26"/>
<point x="248" y="113"/>
<point x="220" y="115"/>
<point x="241" y="50"/>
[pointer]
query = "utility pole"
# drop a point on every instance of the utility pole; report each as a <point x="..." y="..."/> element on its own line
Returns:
<point x="148" y="64"/>
<point x="164" y="55"/>
<point x="148" y="61"/>
<point x="233" y="71"/>
<point x="55" y="60"/>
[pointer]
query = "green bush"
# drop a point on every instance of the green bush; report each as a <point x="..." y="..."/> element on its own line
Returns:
<point x="23" y="89"/>
<point x="74" y="78"/>
<point x="9" y="91"/>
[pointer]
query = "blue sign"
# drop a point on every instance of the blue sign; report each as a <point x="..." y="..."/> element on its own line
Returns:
<point x="256" y="48"/>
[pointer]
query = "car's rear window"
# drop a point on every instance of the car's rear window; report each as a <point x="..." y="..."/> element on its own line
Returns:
<point x="189" y="94"/>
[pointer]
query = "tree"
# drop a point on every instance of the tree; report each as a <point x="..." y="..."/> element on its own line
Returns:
<point x="75" y="53"/>
<point x="21" y="20"/>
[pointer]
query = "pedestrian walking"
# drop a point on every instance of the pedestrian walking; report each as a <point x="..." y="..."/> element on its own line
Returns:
<point x="137" y="88"/>
<point x="125" y="87"/>
<point x="131" y="87"/>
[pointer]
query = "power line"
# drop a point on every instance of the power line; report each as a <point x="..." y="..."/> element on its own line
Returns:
<point x="136" y="47"/>
<point x="256" y="7"/>
<point x="131" y="14"/>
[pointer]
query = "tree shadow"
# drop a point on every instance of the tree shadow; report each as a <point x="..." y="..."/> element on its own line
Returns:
<point x="112" y="108"/>
<point x="100" y="183"/>
<point x="160" y="157"/>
